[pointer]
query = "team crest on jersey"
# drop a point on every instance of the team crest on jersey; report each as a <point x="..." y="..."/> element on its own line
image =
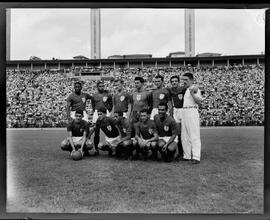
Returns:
<point x="166" y="128"/>
<point x="161" y="96"/>
<point x="150" y="131"/>
<point x="180" y="96"/>
<point x="122" y="98"/>
<point x="139" y="97"/>
<point x="109" y="127"/>
<point x="124" y="130"/>
<point x="105" y="99"/>
<point x="83" y="99"/>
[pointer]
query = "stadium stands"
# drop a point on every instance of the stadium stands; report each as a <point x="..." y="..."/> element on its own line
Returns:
<point x="234" y="94"/>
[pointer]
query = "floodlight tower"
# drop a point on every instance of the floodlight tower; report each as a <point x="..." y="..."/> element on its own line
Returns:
<point x="95" y="33"/>
<point x="189" y="32"/>
<point x="8" y="20"/>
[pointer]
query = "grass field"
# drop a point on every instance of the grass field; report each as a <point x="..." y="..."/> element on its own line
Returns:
<point x="43" y="179"/>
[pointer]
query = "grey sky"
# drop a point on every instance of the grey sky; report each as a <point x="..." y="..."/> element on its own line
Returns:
<point x="64" y="33"/>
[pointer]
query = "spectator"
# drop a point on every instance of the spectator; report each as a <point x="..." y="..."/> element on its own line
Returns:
<point x="235" y="94"/>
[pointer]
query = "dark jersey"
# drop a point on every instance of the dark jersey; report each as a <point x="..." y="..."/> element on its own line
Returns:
<point x="131" y="130"/>
<point x="142" y="100"/>
<point x="168" y="127"/>
<point x="78" y="102"/>
<point x="121" y="101"/>
<point x="123" y="125"/>
<point x="101" y="100"/>
<point x="177" y="96"/>
<point x="108" y="126"/>
<point x="160" y="95"/>
<point x="77" y="128"/>
<point x="146" y="130"/>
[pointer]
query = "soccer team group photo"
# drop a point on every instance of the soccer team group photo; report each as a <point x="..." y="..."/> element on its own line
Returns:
<point x="140" y="126"/>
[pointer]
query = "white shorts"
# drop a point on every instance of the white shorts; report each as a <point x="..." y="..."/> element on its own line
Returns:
<point x="153" y="113"/>
<point x="95" y="115"/>
<point x="112" y="141"/>
<point x="177" y="114"/>
<point x="125" y="115"/>
<point x="77" y="140"/>
<point x="167" y="138"/>
<point x="85" y="116"/>
<point x="142" y="141"/>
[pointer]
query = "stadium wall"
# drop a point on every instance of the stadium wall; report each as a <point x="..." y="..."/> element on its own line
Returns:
<point x="135" y="63"/>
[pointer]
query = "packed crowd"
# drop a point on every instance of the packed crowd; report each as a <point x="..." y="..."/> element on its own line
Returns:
<point x="234" y="95"/>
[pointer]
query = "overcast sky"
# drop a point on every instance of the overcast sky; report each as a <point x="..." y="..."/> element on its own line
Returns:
<point x="65" y="33"/>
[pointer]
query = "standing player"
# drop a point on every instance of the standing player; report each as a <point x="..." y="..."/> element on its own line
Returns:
<point x="167" y="132"/>
<point x="76" y="101"/>
<point x="160" y="94"/>
<point x="191" y="120"/>
<point x="111" y="130"/>
<point x="101" y="99"/>
<point x="141" y="99"/>
<point x="122" y="101"/>
<point x="177" y="97"/>
<point x="76" y="140"/>
<point x="146" y="135"/>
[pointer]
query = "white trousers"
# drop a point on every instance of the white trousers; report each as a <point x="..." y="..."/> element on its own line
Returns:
<point x="190" y="134"/>
<point x="177" y="114"/>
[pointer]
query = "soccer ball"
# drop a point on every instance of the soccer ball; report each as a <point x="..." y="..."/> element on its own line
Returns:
<point x="76" y="155"/>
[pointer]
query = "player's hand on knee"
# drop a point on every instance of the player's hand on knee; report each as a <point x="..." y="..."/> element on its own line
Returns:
<point x="147" y="144"/>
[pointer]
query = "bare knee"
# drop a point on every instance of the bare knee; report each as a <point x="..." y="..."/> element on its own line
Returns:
<point x="64" y="144"/>
<point x="153" y="145"/>
<point x="100" y="146"/>
<point x="160" y="143"/>
<point x="172" y="147"/>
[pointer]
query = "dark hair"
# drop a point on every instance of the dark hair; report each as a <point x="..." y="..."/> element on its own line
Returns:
<point x="189" y="75"/>
<point x="175" y="76"/>
<point x="100" y="82"/>
<point x="144" y="110"/>
<point x="158" y="76"/>
<point x="78" y="82"/>
<point x="79" y="112"/>
<point x="163" y="104"/>
<point x="103" y="110"/>
<point x="139" y="78"/>
<point x="120" y="113"/>
<point x="119" y="80"/>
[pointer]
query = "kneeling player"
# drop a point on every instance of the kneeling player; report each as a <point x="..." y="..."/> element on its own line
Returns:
<point x="146" y="135"/>
<point x="167" y="132"/>
<point x="111" y="130"/>
<point x="122" y="149"/>
<point x="76" y="140"/>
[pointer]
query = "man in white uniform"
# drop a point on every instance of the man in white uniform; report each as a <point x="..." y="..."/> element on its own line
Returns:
<point x="190" y="134"/>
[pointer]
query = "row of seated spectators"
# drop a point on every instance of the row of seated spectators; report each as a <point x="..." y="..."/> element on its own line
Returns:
<point x="234" y="94"/>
